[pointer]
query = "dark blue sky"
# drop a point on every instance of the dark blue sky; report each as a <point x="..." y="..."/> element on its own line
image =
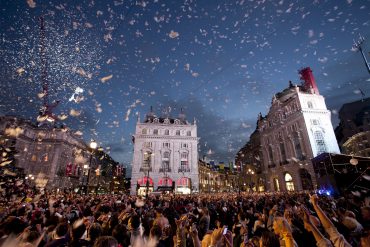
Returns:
<point x="222" y="61"/>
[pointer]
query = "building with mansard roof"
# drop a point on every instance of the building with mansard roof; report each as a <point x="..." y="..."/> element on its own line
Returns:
<point x="165" y="155"/>
<point x="296" y="129"/>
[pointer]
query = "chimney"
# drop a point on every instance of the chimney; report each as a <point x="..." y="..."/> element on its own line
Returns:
<point x="309" y="80"/>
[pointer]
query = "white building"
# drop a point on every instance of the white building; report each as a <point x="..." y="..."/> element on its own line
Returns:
<point x="296" y="129"/>
<point x="165" y="155"/>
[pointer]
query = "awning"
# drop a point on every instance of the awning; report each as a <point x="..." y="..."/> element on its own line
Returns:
<point x="184" y="182"/>
<point x="165" y="181"/>
<point x="143" y="181"/>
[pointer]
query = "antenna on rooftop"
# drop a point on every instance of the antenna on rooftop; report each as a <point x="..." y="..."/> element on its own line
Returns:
<point x="357" y="46"/>
<point x="46" y="113"/>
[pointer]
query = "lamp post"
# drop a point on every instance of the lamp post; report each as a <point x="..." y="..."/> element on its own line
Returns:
<point x="250" y="172"/>
<point x="148" y="170"/>
<point x="209" y="182"/>
<point x="93" y="146"/>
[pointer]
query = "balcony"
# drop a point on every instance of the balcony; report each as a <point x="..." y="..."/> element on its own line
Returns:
<point x="271" y="166"/>
<point x="285" y="162"/>
<point x="145" y="169"/>
<point x="184" y="169"/>
<point x="164" y="169"/>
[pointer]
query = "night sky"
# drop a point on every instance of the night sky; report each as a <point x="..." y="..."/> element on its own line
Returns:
<point x="222" y="61"/>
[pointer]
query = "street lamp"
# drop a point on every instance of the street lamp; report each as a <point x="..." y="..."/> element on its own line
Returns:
<point x="150" y="155"/>
<point x="209" y="182"/>
<point x="250" y="172"/>
<point x="93" y="146"/>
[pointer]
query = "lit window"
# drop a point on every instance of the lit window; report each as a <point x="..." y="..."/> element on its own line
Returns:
<point x="276" y="184"/>
<point x="34" y="157"/>
<point x="289" y="182"/>
<point x="320" y="142"/>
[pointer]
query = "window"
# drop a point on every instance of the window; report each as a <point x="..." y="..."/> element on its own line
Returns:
<point x="184" y="156"/>
<point x="309" y="104"/>
<point x="147" y="159"/>
<point x="297" y="147"/>
<point x="166" y="145"/>
<point x="144" y="131"/>
<point x="315" y="122"/>
<point x="188" y="133"/>
<point x="177" y="132"/>
<point x="276" y="184"/>
<point x="165" y="162"/>
<point x="166" y="132"/>
<point x="45" y="158"/>
<point x="147" y="144"/>
<point x="184" y="164"/>
<point x="155" y="132"/>
<point x="184" y="145"/>
<point x="34" y="157"/>
<point x="289" y="182"/>
<point x="271" y="157"/>
<point x="282" y="152"/>
<point x="320" y="142"/>
<point x="166" y="155"/>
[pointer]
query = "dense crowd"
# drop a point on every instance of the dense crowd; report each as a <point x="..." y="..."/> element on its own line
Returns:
<point x="31" y="218"/>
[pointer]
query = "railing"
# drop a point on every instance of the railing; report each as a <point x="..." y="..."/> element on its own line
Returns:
<point x="164" y="169"/>
<point x="145" y="169"/>
<point x="184" y="169"/>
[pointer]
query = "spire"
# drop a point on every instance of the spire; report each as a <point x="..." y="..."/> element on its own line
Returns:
<point x="308" y="80"/>
<point x="182" y="115"/>
<point x="150" y="115"/>
<point x="290" y="84"/>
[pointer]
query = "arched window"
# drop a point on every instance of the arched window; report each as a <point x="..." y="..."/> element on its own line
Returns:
<point x="305" y="179"/>
<point x="188" y="133"/>
<point x="166" y="132"/>
<point x="271" y="157"/>
<point x="320" y="142"/>
<point x="177" y="132"/>
<point x="297" y="147"/>
<point x="282" y="152"/>
<point x="309" y="104"/>
<point x="289" y="182"/>
<point x="276" y="184"/>
<point x="144" y="131"/>
<point x="155" y="132"/>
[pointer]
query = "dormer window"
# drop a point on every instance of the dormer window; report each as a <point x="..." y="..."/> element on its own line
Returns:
<point x="156" y="120"/>
<point x="166" y="121"/>
<point x="177" y="121"/>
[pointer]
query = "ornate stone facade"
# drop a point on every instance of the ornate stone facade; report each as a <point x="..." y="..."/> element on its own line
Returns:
<point x="44" y="152"/>
<point x="166" y="151"/>
<point x="296" y="129"/>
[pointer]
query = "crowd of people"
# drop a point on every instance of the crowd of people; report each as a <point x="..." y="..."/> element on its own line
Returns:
<point x="30" y="218"/>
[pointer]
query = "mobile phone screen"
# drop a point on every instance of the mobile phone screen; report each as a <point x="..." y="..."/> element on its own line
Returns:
<point x="225" y="231"/>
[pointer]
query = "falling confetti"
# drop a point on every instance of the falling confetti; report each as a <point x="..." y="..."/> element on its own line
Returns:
<point x="106" y="78"/>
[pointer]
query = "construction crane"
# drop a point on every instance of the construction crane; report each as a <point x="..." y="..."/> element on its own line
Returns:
<point x="46" y="112"/>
